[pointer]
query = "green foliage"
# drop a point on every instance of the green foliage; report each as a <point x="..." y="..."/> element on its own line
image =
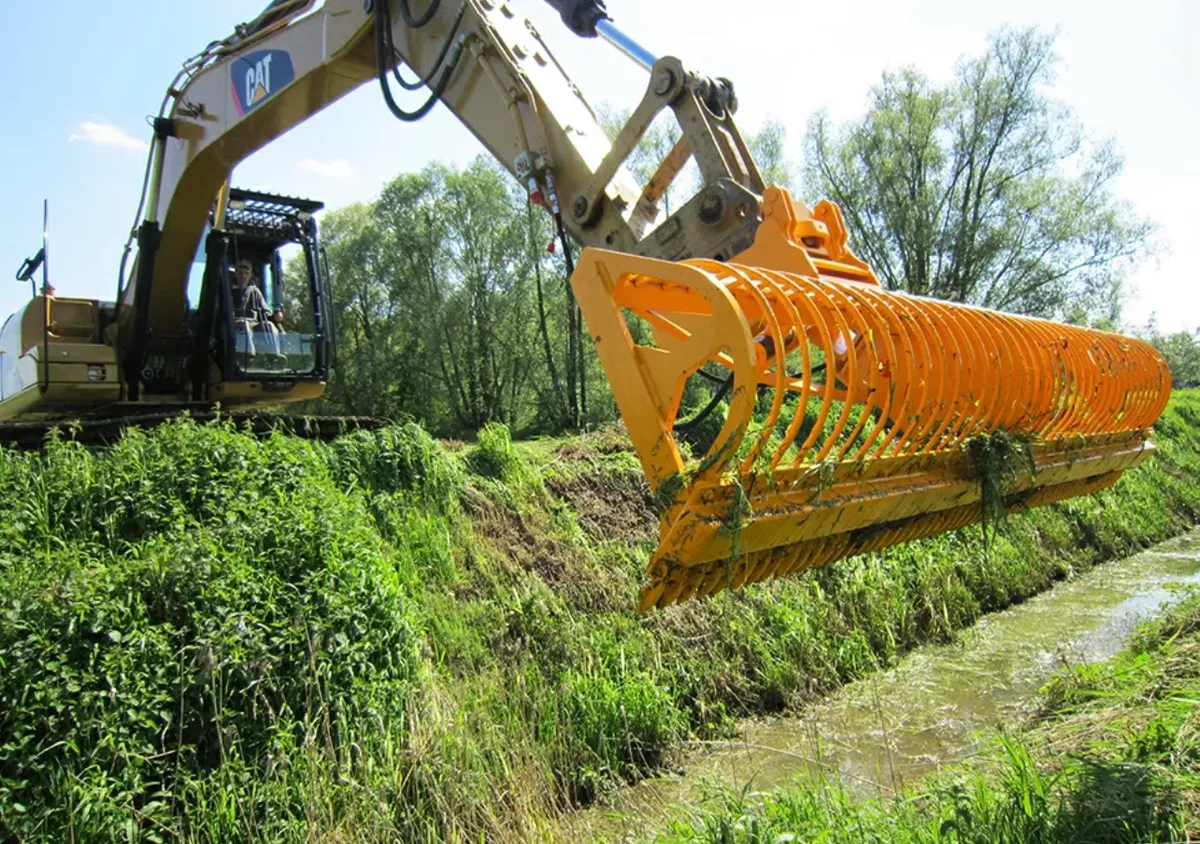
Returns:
<point x="998" y="459"/>
<point x="982" y="190"/>
<point x="494" y="456"/>
<point x="766" y="146"/>
<point x="402" y="458"/>
<point x="1181" y="351"/>
<point x="500" y="471"/>
<point x="621" y="720"/>
<point x="449" y="309"/>
<point x="190" y="598"/>
<point x="651" y="150"/>
<point x="213" y="637"/>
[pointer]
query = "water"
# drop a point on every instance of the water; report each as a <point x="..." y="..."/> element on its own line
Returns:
<point x="898" y="725"/>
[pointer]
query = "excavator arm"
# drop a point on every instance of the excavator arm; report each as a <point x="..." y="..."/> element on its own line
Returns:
<point x="854" y="417"/>
<point x="492" y="69"/>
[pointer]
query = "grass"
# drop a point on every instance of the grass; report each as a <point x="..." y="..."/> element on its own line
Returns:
<point x="997" y="459"/>
<point x="208" y="637"/>
<point x="1113" y="756"/>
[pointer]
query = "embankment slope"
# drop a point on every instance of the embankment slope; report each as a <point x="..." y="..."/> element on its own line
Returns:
<point x="204" y="636"/>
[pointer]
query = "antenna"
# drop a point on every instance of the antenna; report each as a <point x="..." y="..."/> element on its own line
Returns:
<point x="30" y="265"/>
<point x="46" y="247"/>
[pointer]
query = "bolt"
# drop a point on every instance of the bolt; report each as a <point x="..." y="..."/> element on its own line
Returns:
<point x="581" y="206"/>
<point x="712" y="207"/>
<point x="663" y="80"/>
<point x="523" y="164"/>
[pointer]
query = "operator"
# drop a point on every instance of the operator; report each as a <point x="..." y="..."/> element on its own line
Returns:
<point x="248" y="301"/>
<point x="250" y="309"/>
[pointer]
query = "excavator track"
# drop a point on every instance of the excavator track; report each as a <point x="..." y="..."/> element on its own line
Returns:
<point x="104" y="431"/>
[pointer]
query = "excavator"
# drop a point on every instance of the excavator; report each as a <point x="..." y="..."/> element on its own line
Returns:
<point x="855" y="417"/>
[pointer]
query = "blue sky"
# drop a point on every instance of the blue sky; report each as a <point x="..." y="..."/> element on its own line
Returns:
<point x="81" y="77"/>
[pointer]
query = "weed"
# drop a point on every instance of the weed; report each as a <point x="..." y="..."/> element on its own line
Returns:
<point x="667" y="493"/>
<point x="205" y="636"/>
<point x="494" y="456"/>
<point x="997" y="459"/>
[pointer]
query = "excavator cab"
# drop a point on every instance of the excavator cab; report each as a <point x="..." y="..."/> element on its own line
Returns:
<point x="64" y="357"/>
<point x="257" y="311"/>
<point x="267" y="330"/>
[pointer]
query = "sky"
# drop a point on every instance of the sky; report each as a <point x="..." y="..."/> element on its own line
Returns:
<point x="81" y="79"/>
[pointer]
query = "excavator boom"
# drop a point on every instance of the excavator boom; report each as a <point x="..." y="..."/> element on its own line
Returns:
<point x="493" y="70"/>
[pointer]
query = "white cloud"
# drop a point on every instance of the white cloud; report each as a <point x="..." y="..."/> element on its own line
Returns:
<point x="108" y="135"/>
<point x="339" y="169"/>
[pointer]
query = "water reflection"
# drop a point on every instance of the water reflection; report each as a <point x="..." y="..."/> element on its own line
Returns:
<point x="901" y="724"/>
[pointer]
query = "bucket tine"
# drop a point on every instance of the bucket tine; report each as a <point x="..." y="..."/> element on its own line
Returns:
<point x="856" y="416"/>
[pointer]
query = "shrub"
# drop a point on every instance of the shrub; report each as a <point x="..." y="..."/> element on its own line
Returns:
<point x="494" y="456"/>
<point x="401" y="458"/>
<point x="237" y="600"/>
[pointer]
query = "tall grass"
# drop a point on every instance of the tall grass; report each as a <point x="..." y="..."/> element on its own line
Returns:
<point x="190" y="605"/>
<point x="1114" y="757"/>
<point x="211" y="637"/>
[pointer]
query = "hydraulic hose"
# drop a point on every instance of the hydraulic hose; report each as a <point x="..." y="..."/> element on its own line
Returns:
<point x="706" y="411"/>
<point x="383" y="48"/>
<point x="722" y="390"/>
<point x="441" y="56"/>
<point x="417" y="23"/>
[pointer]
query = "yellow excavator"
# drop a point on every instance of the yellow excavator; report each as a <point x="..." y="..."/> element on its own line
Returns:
<point x="855" y="417"/>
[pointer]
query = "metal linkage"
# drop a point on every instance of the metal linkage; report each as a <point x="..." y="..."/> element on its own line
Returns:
<point x="850" y="405"/>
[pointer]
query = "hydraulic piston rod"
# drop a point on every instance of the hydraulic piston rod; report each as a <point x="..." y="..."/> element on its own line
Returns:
<point x="625" y="44"/>
<point x="588" y="18"/>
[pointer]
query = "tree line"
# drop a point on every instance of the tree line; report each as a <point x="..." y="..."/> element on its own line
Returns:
<point x="450" y="296"/>
<point x="449" y="307"/>
<point x="1180" y="349"/>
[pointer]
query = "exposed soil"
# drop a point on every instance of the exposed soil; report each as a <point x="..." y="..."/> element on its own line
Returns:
<point x="609" y="508"/>
<point x="530" y="546"/>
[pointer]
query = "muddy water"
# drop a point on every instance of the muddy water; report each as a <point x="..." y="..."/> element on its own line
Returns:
<point x="901" y="724"/>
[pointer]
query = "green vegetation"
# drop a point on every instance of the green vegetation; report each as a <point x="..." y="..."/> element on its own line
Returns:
<point x="1181" y="351"/>
<point x="209" y="637"/>
<point x="983" y="189"/>
<point x="997" y="458"/>
<point x="1114" y="756"/>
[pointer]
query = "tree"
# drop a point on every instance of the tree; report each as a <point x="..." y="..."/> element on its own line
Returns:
<point x="487" y="349"/>
<point x="1181" y="351"/>
<point x="379" y="371"/>
<point x="766" y="145"/>
<point x="432" y="297"/>
<point x="982" y="190"/>
<point x="651" y="150"/>
<point x="449" y="309"/>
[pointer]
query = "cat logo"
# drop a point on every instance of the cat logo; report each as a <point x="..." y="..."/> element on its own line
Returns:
<point x="256" y="77"/>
